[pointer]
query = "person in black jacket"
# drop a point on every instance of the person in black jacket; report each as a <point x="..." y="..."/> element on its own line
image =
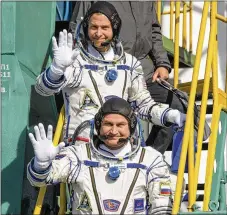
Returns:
<point x="141" y="36"/>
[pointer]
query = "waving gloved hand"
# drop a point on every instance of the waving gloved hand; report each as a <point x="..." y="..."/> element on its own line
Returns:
<point x="175" y="117"/>
<point x="63" y="52"/>
<point x="44" y="149"/>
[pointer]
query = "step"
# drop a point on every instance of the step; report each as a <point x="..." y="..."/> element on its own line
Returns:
<point x="222" y="95"/>
<point x="201" y="179"/>
<point x="187" y="59"/>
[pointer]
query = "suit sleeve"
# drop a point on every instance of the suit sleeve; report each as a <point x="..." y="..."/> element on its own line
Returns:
<point x="48" y="83"/>
<point x="159" y="188"/>
<point x="158" y="54"/>
<point x="64" y="168"/>
<point x="140" y="98"/>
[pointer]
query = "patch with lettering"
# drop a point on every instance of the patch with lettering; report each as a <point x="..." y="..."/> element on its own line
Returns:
<point x="165" y="189"/>
<point x="111" y="205"/>
<point x="138" y="205"/>
<point x="88" y="101"/>
<point x="84" y="203"/>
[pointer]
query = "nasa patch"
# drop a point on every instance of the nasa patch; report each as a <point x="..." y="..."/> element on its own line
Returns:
<point x="111" y="205"/>
<point x="88" y="101"/>
<point x="85" y="204"/>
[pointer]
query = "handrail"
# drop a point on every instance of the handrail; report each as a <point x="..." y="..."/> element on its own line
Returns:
<point x="218" y="105"/>
<point x="187" y="7"/>
<point x="176" y="44"/>
<point x="186" y="3"/>
<point x="57" y="135"/>
<point x="184" y="37"/>
<point x="171" y="19"/>
<point x="222" y="18"/>
<point x="159" y="11"/>
<point x="189" y="116"/>
<point x="181" y="11"/>
<point x="215" y="118"/>
<point x="190" y="27"/>
<point x="62" y="208"/>
<point x="191" y="161"/>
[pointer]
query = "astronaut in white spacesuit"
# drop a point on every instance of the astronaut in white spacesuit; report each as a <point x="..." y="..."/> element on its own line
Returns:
<point x="113" y="174"/>
<point x="96" y="70"/>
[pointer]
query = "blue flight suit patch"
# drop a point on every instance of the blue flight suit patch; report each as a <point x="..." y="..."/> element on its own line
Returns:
<point x="138" y="205"/>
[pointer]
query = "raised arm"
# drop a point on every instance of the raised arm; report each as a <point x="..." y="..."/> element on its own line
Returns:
<point x="158" y="54"/>
<point x="61" y="72"/>
<point x="51" y="164"/>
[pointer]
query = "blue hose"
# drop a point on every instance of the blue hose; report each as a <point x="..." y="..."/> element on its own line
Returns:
<point x="66" y="14"/>
<point x="59" y="13"/>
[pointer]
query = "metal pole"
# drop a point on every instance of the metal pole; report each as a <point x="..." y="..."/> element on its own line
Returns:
<point x="190" y="116"/>
<point x="176" y="44"/>
<point x="215" y="118"/>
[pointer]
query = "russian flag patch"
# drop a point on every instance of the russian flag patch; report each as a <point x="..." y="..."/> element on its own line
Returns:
<point x="165" y="189"/>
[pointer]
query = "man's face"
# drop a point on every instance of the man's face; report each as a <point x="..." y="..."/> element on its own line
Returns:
<point x="114" y="127"/>
<point x="99" y="30"/>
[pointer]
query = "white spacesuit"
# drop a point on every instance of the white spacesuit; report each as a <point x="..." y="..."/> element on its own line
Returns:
<point x="88" y="77"/>
<point x="72" y="166"/>
<point x="83" y="97"/>
<point x="130" y="180"/>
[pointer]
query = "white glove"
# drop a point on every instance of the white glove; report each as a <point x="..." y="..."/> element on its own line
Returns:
<point x="175" y="117"/>
<point x="43" y="147"/>
<point x="63" y="52"/>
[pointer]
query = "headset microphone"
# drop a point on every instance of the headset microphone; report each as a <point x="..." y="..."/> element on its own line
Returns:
<point x="123" y="140"/>
<point x="106" y="43"/>
<point x="103" y="137"/>
<point x="120" y="141"/>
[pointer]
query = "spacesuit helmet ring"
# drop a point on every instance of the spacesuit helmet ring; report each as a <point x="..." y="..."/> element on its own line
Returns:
<point x="109" y="11"/>
<point x="116" y="105"/>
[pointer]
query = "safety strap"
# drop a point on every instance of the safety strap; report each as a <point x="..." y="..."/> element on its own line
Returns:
<point x="125" y="82"/>
<point x="183" y="97"/>
<point x="97" y="67"/>
<point x="96" y="87"/>
<point x="133" y="183"/>
<point x="93" y="181"/>
<point x="121" y="166"/>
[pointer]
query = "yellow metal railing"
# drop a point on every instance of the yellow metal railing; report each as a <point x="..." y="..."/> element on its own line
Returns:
<point x="215" y="116"/>
<point x="187" y="7"/>
<point x="176" y="44"/>
<point x="190" y="27"/>
<point x="190" y="116"/>
<point x="42" y="190"/>
<point x="219" y="103"/>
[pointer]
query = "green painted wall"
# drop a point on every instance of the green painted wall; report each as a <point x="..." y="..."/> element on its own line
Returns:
<point x="27" y="28"/>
